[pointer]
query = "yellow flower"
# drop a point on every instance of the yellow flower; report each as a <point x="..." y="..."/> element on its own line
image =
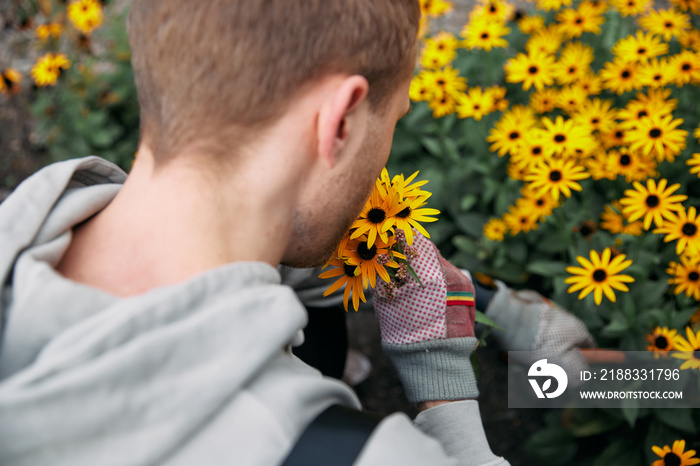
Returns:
<point x="631" y="7"/>
<point x="507" y="133"/>
<point x="435" y="8"/>
<point x="661" y="341"/>
<point x="531" y="23"/>
<point x="685" y="67"/>
<point x="655" y="73"/>
<point x="595" y="115"/>
<point x="547" y="41"/>
<point x="640" y="47"/>
<point x="620" y="76"/>
<point x="666" y="23"/>
<point x="47" y="69"/>
<point x="549" y="5"/>
<point x="676" y="456"/>
<point x="652" y="202"/>
<point x="599" y="275"/>
<point x="375" y="215"/>
<point x="474" y="104"/>
<point x="483" y="34"/>
<point x="556" y="176"/>
<point x="519" y="219"/>
<point x="573" y="23"/>
<point x="442" y="104"/>
<point x="85" y="15"/>
<point x="350" y="277"/>
<point x="658" y="135"/>
<point x="694" y="163"/>
<point x="10" y="80"/>
<point x="689" y="350"/>
<point x="565" y="136"/>
<point x="495" y="229"/>
<point x="44" y="31"/>
<point x="408" y="213"/>
<point x="544" y="101"/>
<point x="535" y="69"/>
<point x="684" y="227"/>
<point x="686" y="276"/>
<point x="371" y="259"/>
<point x="613" y="221"/>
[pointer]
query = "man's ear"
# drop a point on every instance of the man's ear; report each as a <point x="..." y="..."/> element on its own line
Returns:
<point x="341" y="121"/>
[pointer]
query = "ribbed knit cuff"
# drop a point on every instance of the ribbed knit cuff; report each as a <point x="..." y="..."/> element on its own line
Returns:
<point x="435" y="369"/>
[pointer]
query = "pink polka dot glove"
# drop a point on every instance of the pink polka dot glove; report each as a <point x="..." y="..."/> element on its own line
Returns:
<point x="428" y="330"/>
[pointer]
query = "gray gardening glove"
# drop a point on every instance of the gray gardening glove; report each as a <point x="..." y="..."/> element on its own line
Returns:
<point x="534" y="323"/>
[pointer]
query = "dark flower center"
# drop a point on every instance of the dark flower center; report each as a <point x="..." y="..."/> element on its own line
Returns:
<point x="477" y="106"/>
<point x="536" y="150"/>
<point x="595" y="121"/>
<point x="555" y="175"/>
<point x="652" y="200"/>
<point x="668" y="24"/>
<point x="625" y="74"/>
<point x="654" y="133"/>
<point x="599" y="275"/>
<point x="493" y="8"/>
<point x="641" y="51"/>
<point x="586" y="230"/>
<point x="539" y="202"/>
<point x="349" y="270"/>
<point x="661" y="342"/>
<point x="642" y="114"/>
<point x="689" y="229"/>
<point x="514" y="135"/>
<point x="578" y="21"/>
<point x="406" y="212"/>
<point x="671" y="459"/>
<point x="532" y="70"/>
<point x="572" y="70"/>
<point x="625" y="160"/>
<point x="560" y="138"/>
<point x="619" y="134"/>
<point x="693" y="276"/>
<point x="685" y="67"/>
<point x="657" y="77"/>
<point x="376" y="215"/>
<point x="366" y="253"/>
<point x="485" y="35"/>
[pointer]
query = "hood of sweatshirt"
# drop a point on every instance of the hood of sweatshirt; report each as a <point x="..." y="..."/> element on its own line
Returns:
<point x="85" y="374"/>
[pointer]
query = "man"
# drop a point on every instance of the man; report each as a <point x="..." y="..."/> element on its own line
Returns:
<point x="143" y="317"/>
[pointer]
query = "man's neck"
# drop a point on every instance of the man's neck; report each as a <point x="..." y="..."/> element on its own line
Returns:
<point x="163" y="228"/>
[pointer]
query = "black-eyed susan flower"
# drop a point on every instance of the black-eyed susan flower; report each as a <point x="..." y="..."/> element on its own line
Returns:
<point x="442" y="104"/>
<point x="493" y="10"/>
<point x="546" y="41"/>
<point x="85" y="15"/>
<point x="481" y="33"/>
<point x="685" y="276"/>
<point x="446" y="81"/>
<point x="507" y="132"/>
<point x="534" y="69"/>
<point x="433" y="59"/>
<point x="666" y="23"/>
<point x="613" y="221"/>
<point x="556" y="176"/>
<point x="658" y="135"/>
<point x="565" y="136"/>
<point x="595" y="115"/>
<point x="530" y="151"/>
<point x="590" y="83"/>
<point x="653" y="202"/>
<point x="674" y="456"/>
<point x="620" y="76"/>
<point x="444" y="42"/>
<point x="689" y="350"/>
<point x="531" y="23"/>
<point x="419" y="90"/>
<point x="690" y="39"/>
<point x="570" y="99"/>
<point x="661" y="341"/>
<point x="631" y="7"/>
<point x="599" y="275"/>
<point x="574" y="63"/>
<point x="10" y="80"/>
<point x="540" y="204"/>
<point x="47" y="68"/>
<point x="692" y="6"/>
<point x="574" y="22"/>
<point x="46" y="31"/>
<point x="655" y="73"/>
<point x="519" y="220"/>
<point x="684" y="227"/>
<point x="474" y="104"/>
<point x="435" y="8"/>
<point x="598" y="165"/>
<point x="633" y="165"/>
<point x="544" y="101"/>
<point x="685" y="67"/>
<point x="496" y="95"/>
<point x="613" y="138"/>
<point x="375" y="215"/>
<point x="694" y="163"/>
<point x="495" y="229"/>
<point x="372" y="260"/>
<point x="551" y="5"/>
<point x="409" y="213"/>
<point x="639" y="47"/>
<point x="350" y="278"/>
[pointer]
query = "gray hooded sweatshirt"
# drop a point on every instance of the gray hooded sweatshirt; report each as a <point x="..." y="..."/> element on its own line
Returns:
<point x="195" y="373"/>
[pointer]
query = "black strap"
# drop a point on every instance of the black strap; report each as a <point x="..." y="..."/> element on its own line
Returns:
<point x="335" y="437"/>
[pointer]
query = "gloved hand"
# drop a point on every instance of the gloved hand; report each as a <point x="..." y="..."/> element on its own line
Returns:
<point x="428" y="330"/>
<point x="534" y="323"/>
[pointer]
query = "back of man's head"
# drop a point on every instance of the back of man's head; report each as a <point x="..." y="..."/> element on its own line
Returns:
<point x="213" y="72"/>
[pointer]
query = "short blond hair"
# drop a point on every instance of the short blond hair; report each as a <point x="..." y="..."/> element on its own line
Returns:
<point x="213" y="69"/>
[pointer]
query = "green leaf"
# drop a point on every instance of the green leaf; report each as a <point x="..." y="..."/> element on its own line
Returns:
<point x="546" y="268"/>
<point x="617" y="326"/>
<point x="468" y="202"/>
<point x="630" y="411"/>
<point x="620" y="451"/>
<point x="681" y="419"/>
<point x="465" y="244"/>
<point x="517" y="251"/>
<point x="432" y="145"/>
<point x="551" y="446"/>
<point x="481" y="318"/>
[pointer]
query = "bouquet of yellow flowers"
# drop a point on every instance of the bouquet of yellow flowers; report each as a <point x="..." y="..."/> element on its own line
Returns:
<point x="379" y="241"/>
